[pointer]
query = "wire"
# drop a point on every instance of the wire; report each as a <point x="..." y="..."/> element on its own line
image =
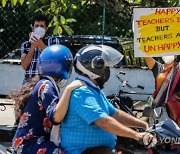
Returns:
<point x="103" y="21"/>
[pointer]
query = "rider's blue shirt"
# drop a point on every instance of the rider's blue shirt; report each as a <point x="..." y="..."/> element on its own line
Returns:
<point x="87" y="104"/>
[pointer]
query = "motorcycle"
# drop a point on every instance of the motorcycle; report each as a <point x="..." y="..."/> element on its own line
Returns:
<point x="125" y="103"/>
<point x="167" y="133"/>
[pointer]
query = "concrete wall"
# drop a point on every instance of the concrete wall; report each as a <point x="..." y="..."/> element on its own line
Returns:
<point x="134" y="77"/>
<point x="11" y="77"/>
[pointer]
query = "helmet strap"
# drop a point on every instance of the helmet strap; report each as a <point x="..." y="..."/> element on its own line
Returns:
<point x="54" y="83"/>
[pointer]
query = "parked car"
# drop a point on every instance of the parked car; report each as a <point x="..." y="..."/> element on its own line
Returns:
<point x="12" y="73"/>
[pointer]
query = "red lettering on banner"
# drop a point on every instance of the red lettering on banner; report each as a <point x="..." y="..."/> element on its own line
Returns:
<point x="149" y="48"/>
<point x="161" y="47"/>
<point x="168" y="46"/>
<point x="178" y="19"/>
<point x="167" y="11"/>
<point x="154" y="21"/>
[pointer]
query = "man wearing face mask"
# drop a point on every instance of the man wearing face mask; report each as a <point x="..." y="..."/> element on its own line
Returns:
<point x="167" y="84"/>
<point x="92" y="122"/>
<point x="31" y="49"/>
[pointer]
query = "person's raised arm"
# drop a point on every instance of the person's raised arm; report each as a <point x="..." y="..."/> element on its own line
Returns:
<point x="150" y="62"/>
<point x="63" y="103"/>
<point x="27" y="58"/>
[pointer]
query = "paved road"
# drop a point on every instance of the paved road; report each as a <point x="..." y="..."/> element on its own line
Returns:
<point x="7" y="116"/>
<point x="7" y="120"/>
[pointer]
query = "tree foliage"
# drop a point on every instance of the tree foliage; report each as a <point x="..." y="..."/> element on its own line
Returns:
<point x="64" y="14"/>
<point x="70" y="17"/>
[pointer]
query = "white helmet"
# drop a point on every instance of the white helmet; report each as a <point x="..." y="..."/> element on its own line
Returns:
<point x="95" y="60"/>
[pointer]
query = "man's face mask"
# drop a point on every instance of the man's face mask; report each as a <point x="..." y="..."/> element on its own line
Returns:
<point x="40" y="31"/>
<point x="168" y="59"/>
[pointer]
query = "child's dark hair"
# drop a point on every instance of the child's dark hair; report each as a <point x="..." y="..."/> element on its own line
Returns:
<point x="39" y="17"/>
<point x="21" y="96"/>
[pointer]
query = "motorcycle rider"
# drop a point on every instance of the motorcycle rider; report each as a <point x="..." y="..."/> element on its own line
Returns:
<point x="92" y="122"/>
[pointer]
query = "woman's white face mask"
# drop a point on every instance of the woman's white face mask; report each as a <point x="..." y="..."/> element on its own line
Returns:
<point x="168" y="59"/>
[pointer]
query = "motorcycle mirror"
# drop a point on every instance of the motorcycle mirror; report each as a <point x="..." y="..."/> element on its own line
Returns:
<point x="148" y="111"/>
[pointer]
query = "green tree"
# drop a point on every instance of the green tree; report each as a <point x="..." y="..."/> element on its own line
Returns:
<point x="70" y="17"/>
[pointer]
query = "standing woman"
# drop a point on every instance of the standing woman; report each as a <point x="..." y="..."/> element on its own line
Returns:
<point x="39" y="105"/>
<point x="169" y="94"/>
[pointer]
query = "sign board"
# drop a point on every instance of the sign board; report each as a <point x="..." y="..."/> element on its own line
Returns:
<point x="156" y="31"/>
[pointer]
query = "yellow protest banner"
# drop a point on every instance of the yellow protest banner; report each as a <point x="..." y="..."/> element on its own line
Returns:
<point x="156" y="31"/>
